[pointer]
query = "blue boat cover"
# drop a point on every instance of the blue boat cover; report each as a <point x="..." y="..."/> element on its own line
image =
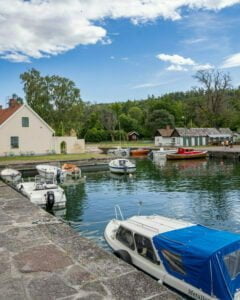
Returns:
<point x="196" y="255"/>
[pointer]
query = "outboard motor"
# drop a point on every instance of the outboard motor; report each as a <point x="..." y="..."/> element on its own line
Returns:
<point x="58" y="176"/>
<point x="50" y="200"/>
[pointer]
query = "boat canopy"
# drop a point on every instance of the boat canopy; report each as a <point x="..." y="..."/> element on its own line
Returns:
<point x="206" y="258"/>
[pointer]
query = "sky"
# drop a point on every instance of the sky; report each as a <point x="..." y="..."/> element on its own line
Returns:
<point x="116" y="50"/>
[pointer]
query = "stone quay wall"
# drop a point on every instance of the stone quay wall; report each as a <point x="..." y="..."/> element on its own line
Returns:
<point x="42" y="258"/>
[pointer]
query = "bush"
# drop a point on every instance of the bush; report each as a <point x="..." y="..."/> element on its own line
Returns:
<point x="97" y="135"/>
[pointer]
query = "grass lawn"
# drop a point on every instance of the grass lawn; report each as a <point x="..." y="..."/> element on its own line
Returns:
<point x="52" y="157"/>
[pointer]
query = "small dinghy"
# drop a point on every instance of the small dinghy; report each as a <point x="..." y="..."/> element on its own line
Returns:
<point x="45" y="193"/>
<point x="71" y="169"/>
<point x="122" y="166"/>
<point x="48" y="171"/>
<point x="10" y="175"/>
<point x="140" y="152"/>
<point x="200" y="262"/>
<point x="119" y="152"/>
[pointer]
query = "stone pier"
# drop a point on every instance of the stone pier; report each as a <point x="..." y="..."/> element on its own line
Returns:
<point x="42" y="258"/>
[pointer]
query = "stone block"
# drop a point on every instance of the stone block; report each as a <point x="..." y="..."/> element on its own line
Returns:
<point x="43" y="258"/>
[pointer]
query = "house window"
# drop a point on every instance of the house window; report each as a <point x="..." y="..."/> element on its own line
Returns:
<point x="145" y="248"/>
<point x="14" y="142"/>
<point x="125" y="236"/>
<point x="25" y="122"/>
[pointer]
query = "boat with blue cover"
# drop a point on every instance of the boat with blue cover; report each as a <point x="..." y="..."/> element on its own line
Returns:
<point x="200" y="262"/>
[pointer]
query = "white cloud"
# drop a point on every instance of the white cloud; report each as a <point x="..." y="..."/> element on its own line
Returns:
<point x="176" y="59"/>
<point x="203" y="67"/>
<point x="180" y="63"/>
<point x="40" y="28"/>
<point x="176" y="68"/>
<point x="232" y="61"/>
<point x="125" y="58"/>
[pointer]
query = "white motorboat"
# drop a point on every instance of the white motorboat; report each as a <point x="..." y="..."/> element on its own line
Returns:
<point x="200" y="262"/>
<point x="161" y="153"/>
<point x="44" y="193"/>
<point x="122" y="166"/>
<point x="48" y="171"/>
<point x="10" y="175"/>
<point x="119" y="152"/>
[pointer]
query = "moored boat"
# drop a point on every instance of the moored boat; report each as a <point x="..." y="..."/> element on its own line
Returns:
<point x="48" y="171"/>
<point x="161" y="153"/>
<point x="187" y="153"/>
<point x="200" y="262"/>
<point x="139" y="152"/>
<point x="122" y="166"/>
<point x="122" y="152"/>
<point x="44" y="193"/>
<point x="71" y="169"/>
<point x="10" y="175"/>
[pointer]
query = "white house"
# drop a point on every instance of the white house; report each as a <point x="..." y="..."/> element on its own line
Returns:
<point x="23" y="131"/>
<point x="191" y="136"/>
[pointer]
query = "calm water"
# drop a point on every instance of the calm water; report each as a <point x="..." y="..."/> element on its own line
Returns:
<point x="205" y="192"/>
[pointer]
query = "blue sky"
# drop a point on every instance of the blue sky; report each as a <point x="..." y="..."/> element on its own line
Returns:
<point x="119" y="55"/>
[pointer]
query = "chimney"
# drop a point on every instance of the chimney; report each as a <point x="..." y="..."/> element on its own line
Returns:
<point x="168" y="127"/>
<point x="12" y="102"/>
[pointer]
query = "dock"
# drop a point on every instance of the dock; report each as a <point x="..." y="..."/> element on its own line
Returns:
<point x="42" y="258"/>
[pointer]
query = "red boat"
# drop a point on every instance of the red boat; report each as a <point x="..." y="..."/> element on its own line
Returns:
<point x="187" y="153"/>
<point x="140" y="152"/>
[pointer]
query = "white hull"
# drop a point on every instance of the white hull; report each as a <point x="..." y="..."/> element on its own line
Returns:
<point x="122" y="170"/>
<point x="47" y="171"/>
<point x="156" y="270"/>
<point x="11" y="175"/>
<point x="38" y="196"/>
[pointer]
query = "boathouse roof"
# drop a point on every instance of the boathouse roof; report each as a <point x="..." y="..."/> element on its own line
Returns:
<point x="204" y="132"/>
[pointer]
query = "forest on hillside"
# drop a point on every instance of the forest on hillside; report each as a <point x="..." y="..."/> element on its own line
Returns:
<point x="213" y="103"/>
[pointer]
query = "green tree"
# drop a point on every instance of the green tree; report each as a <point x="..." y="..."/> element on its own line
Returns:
<point x="56" y="99"/>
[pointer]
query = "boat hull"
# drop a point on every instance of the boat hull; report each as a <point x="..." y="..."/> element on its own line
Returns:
<point x="187" y="156"/>
<point x="139" y="152"/>
<point x="118" y="170"/>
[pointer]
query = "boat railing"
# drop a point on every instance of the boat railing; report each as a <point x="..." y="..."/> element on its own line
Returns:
<point x="118" y="212"/>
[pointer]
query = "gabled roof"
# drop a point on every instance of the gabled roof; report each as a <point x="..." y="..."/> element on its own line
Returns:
<point x="8" y="112"/>
<point x="211" y="132"/>
<point x="165" y="132"/>
<point x="133" y="132"/>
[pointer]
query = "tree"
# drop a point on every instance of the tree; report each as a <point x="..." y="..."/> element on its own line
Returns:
<point x="213" y="94"/>
<point x="159" y="119"/>
<point x="136" y="113"/>
<point x="109" y="121"/>
<point x="56" y="99"/>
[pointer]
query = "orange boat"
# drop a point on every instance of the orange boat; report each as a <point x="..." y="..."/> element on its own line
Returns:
<point x="140" y="152"/>
<point x="70" y="168"/>
<point x="187" y="153"/>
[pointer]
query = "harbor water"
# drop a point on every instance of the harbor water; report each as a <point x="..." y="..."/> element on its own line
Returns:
<point x="206" y="192"/>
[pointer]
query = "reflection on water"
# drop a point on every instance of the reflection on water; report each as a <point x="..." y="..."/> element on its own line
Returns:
<point x="200" y="191"/>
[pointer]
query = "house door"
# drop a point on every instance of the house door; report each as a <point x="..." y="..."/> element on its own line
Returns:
<point x="63" y="147"/>
<point x="184" y="141"/>
<point x="196" y="141"/>
<point x="190" y="141"/>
